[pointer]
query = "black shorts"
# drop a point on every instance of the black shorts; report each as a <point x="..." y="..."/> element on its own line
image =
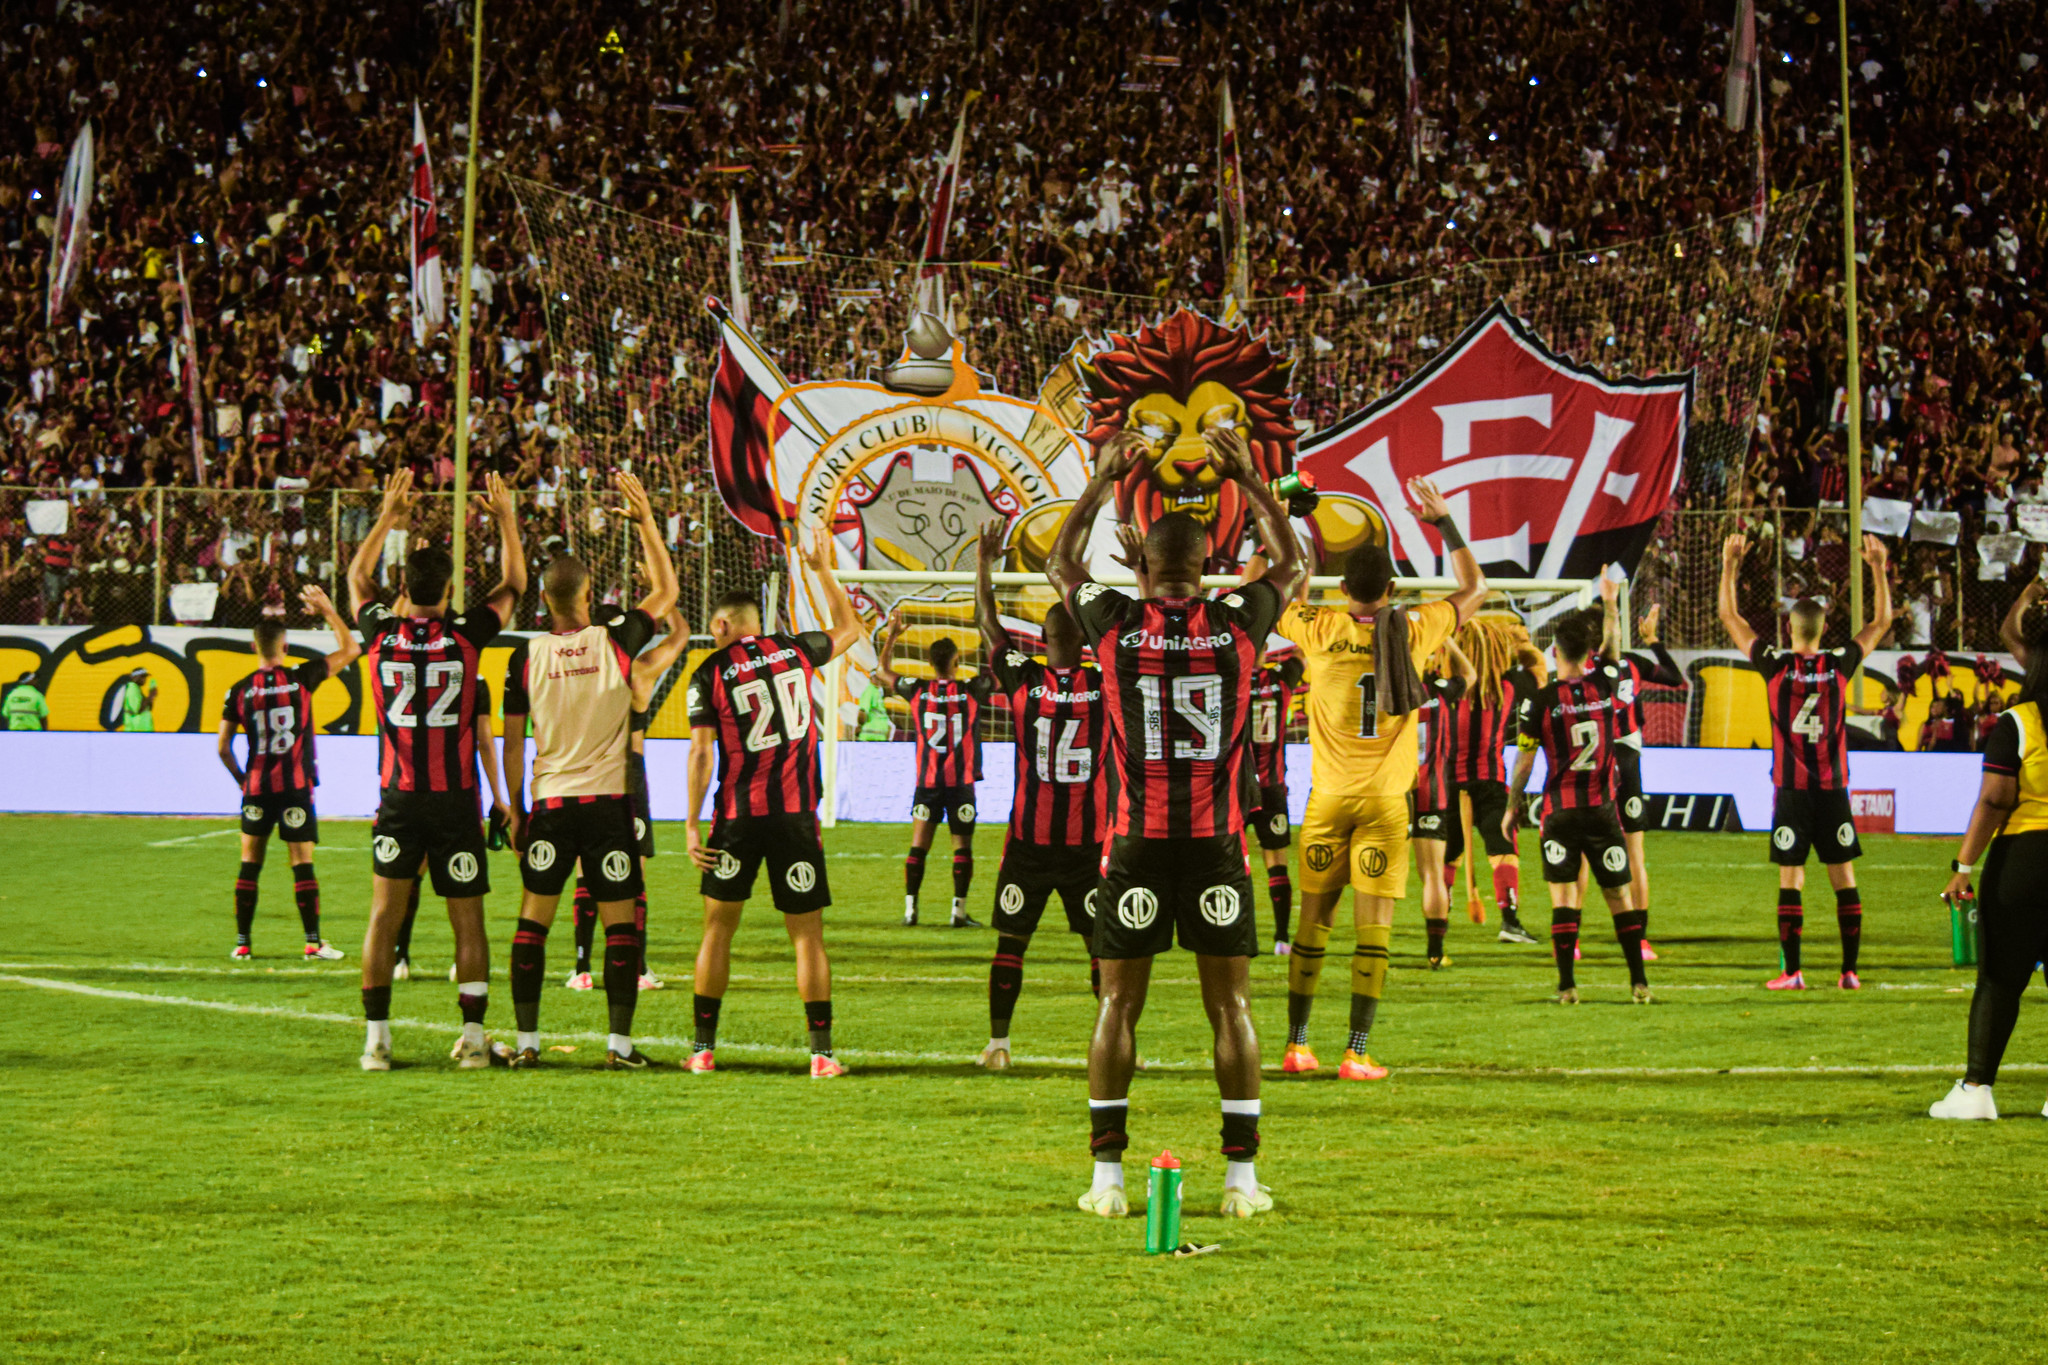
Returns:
<point x="290" y="813"/>
<point x="643" y="826"/>
<point x="441" y="829"/>
<point x="792" y="849"/>
<point x="1628" y="789"/>
<point x="1032" y="872"/>
<point x="1155" y="889"/>
<point x="597" y="832"/>
<point x="954" y="805"/>
<point x="1589" y="832"/>
<point x="1269" y="821"/>
<point x="1489" y="805"/>
<point x="1447" y="827"/>
<point x="1816" y="820"/>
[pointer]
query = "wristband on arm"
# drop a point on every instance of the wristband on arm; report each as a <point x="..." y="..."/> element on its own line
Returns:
<point x="1448" y="529"/>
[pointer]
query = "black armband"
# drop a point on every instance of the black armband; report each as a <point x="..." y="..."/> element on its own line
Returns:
<point x="1448" y="529"/>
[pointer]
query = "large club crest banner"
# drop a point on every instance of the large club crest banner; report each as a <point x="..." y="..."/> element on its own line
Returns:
<point x="1553" y="469"/>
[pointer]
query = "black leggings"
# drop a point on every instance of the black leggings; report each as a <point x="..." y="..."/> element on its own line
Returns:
<point x="2012" y="921"/>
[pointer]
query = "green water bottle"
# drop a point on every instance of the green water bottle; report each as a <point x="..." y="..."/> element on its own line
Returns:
<point x="1162" y="1205"/>
<point x="1962" y="931"/>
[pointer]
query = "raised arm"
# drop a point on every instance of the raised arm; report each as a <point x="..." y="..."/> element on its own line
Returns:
<point x="348" y="648"/>
<point x="395" y="512"/>
<point x="994" y="639"/>
<point x="1667" y="673"/>
<point x="1283" y="556"/>
<point x="1131" y="554"/>
<point x="886" y="676"/>
<point x="1462" y="668"/>
<point x="1067" y="569"/>
<point x="1732" y="550"/>
<point x="504" y="598"/>
<point x="2010" y="629"/>
<point x="846" y="630"/>
<point x="1880" y="595"/>
<point x="657" y="659"/>
<point x="1610" y="618"/>
<point x="661" y="569"/>
<point x="1431" y="507"/>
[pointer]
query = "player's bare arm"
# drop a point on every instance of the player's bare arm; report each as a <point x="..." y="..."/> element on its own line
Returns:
<point x="1429" y="506"/>
<point x="1880" y="595"/>
<point x="2010" y="633"/>
<point x="487" y="754"/>
<point x="846" y="630"/>
<point x="1233" y="454"/>
<point x="886" y="676"/>
<point x="703" y="754"/>
<point x="1732" y="550"/>
<point x="1997" y="797"/>
<point x="1529" y="657"/>
<point x="504" y="598"/>
<point x="1518" y="782"/>
<point x="512" y="744"/>
<point x="1610" y="618"/>
<point x="348" y="649"/>
<point x="1067" y="569"/>
<point x="1461" y="664"/>
<point x="394" y="512"/>
<point x="662" y="588"/>
<point x="227" y="752"/>
<point x="994" y="639"/>
<point x="656" y="660"/>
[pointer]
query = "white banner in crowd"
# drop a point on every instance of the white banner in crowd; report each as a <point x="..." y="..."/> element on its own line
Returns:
<point x="1887" y="516"/>
<point x="1939" y="528"/>
<point x="48" y="517"/>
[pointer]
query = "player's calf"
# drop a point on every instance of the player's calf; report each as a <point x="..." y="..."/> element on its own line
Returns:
<point x="529" y="967"/>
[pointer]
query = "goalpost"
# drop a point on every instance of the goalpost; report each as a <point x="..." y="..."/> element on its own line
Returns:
<point x="941" y="603"/>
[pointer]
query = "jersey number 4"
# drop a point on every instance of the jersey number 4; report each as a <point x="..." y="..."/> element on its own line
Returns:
<point x="1807" y="723"/>
<point x="442" y="685"/>
<point x="791" y="695"/>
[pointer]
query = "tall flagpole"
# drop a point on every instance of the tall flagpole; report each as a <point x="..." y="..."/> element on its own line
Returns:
<point x="1855" y="375"/>
<point x="476" y="90"/>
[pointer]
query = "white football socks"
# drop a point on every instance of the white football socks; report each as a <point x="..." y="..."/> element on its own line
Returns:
<point x="529" y="1040"/>
<point x="379" y="1035"/>
<point x="1002" y="1042"/>
<point x="621" y="1043"/>
<point x="1108" y="1175"/>
<point x="1237" y="1175"/>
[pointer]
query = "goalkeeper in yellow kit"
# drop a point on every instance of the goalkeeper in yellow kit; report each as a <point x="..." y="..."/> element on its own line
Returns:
<point x="1364" y="690"/>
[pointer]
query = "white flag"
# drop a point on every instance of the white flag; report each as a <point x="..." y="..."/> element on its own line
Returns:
<point x="423" y="236"/>
<point x="735" y="282"/>
<point x="72" y="240"/>
<point x="1414" y="112"/>
<point x="1741" y="65"/>
<point x="931" y="277"/>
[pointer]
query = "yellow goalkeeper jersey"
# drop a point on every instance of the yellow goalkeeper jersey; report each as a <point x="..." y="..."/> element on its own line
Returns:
<point x="1356" y="751"/>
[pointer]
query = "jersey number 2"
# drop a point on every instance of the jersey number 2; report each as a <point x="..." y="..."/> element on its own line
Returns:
<point x="442" y="682"/>
<point x="1585" y="742"/>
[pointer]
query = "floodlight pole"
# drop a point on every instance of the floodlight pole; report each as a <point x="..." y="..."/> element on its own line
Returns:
<point x="476" y="90"/>
<point x="1855" y="366"/>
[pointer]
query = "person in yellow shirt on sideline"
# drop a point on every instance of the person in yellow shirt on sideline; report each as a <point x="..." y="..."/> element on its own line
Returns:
<point x="1364" y="692"/>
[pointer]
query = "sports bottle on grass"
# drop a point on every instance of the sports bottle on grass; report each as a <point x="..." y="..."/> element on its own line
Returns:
<point x="1962" y="931"/>
<point x="1162" y="1205"/>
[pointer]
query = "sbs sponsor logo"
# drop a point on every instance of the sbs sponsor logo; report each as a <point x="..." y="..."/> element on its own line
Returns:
<point x="384" y="848"/>
<point x="540" y="855"/>
<point x="462" y="867"/>
<point x="1012" y="898"/>
<point x="617" y="866"/>
<point x="1783" y="836"/>
<point x="728" y="866"/>
<point x="1615" y="858"/>
<point x="1220" y="905"/>
<point x="801" y="876"/>
<point x="1137" y="908"/>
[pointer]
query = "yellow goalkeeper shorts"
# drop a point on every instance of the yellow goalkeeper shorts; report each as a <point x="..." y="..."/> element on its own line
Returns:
<point x="1359" y="839"/>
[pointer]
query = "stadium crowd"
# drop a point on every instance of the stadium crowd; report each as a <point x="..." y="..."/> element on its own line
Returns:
<point x="267" y="145"/>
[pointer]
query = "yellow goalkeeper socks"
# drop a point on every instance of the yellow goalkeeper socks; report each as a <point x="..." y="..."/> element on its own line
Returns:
<point x="1368" y="981"/>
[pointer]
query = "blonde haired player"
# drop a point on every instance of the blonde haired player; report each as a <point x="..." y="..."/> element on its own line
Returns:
<point x="1362" y="714"/>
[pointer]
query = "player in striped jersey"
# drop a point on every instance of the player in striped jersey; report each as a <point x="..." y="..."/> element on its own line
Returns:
<point x="1438" y="833"/>
<point x="1176" y="678"/>
<point x="753" y="710"/>
<point x="1578" y="722"/>
<point x="1478" y="729"/>
<point x="422" y="670"/>
<point x="1058" y="813"/>
<point x="1627" y="676"/>
<point x="945" y="720"/>
<point x="1808" y="692"/>
<point x="1272" y="698"/>
<point x="275" y="706"/>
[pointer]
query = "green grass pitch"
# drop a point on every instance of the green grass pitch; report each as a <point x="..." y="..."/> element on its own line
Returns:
<point x="195" y="1168"/>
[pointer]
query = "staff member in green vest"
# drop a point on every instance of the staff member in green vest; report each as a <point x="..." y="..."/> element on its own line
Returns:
<point x="2009" y="831"/>
<point x="138" y="702"/>
<point x="24" y="706"/>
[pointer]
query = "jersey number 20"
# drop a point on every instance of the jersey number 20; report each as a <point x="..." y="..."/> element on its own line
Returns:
<point x="791" y="695"/>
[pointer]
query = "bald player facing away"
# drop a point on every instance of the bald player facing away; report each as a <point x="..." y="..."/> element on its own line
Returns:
<point x="577" y="684"/>
<point x="1365" y="694"/>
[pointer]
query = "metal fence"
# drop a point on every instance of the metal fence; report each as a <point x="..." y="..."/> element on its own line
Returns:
<point x="230" y="558"/>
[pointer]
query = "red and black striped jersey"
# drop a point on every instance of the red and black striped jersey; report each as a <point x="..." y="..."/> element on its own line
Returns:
<point x="757" y="694"/>
<point x="275" y="706"/>
<point x="1433" y="789"/>
<point x="1177" y="680"/>
<point x="1808" y="696"/>
<point x="423" y="682"/>
<point x="1273" y="691"/>
<point x="1630" y="677"/>
<point x="945" y="720"/>
<point x="1478" y="734"/>
<point x="1576" y="722"/>
<point x="1062" y="797"/>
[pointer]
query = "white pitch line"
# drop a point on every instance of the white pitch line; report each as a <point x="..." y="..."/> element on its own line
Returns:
<point x="960" y="1058"/>
<point x="195" y="838"/>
